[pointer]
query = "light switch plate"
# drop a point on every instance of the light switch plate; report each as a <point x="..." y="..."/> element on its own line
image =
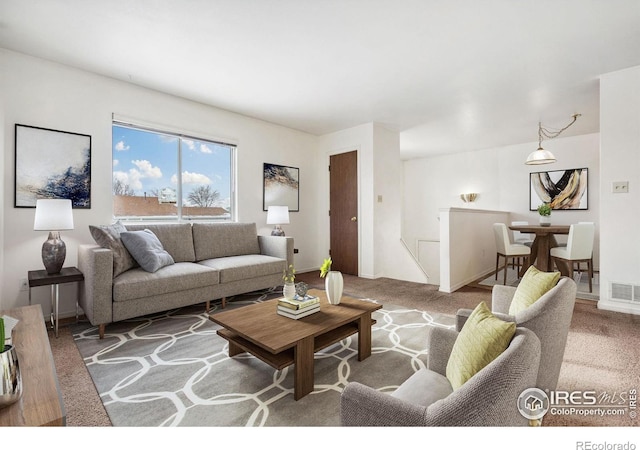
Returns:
<point x="618" y="187"/>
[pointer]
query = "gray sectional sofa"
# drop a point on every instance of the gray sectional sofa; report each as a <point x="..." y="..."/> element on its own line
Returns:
<point x="210" y="261"/>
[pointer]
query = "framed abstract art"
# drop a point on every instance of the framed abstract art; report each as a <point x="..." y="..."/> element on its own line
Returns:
<point x="52" y="164"/>
<point x="562" y="189"/>
<point x="280" y="186"/>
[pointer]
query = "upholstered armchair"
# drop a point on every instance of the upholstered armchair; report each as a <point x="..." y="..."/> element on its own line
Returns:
<point x="549" y="318"/>
<point x="489" y="398"/>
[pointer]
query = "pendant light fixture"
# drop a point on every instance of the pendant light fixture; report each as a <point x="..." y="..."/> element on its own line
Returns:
<point x="542" y="156"/>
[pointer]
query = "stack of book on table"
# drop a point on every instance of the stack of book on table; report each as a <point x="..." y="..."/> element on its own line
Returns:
<point x="298" y="307"/>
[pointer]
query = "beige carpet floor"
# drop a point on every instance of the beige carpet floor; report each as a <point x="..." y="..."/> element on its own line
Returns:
<point x="602" y="354"/>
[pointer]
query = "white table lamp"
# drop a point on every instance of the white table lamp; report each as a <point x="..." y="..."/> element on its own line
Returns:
<point x="53" y="215"/>
<point x="277" y="215"/>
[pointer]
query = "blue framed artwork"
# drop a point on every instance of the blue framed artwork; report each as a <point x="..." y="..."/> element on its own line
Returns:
<point x="51" y="164"/>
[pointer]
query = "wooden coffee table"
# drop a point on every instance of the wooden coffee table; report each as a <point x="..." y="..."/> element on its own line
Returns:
<point x="279" y="341"/>
<point x="41" y="402"/>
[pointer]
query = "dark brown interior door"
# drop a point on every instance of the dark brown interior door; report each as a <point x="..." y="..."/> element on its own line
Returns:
<point x="343" y="204"/>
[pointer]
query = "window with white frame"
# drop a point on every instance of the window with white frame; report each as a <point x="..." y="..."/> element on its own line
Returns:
<point x="169" y="176"/>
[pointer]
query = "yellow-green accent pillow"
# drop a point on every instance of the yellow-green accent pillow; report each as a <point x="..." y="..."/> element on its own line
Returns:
<point x="482" y="339"/>
<point x="534" y="284"/>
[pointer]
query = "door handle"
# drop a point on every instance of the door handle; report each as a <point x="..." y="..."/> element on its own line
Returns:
<point x="354" y="219"/>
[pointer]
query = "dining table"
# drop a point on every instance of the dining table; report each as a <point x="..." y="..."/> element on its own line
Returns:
<point x="543" y="242"/>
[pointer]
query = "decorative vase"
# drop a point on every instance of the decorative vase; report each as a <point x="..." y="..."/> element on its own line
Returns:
<point x="333" y="285"/>
<point x="10" y="379"/>
<point x="289" y="290"/>
<point x="545" y="221"/>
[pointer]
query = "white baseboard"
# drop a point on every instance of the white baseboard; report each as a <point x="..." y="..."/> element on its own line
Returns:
<point x="623" y="307"/>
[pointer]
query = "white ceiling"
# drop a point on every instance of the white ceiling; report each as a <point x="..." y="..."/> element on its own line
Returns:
<point x="450" y="75"/>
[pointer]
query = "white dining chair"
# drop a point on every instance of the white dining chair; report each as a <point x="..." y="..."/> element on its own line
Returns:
<point x="519" y="237"/>
<point x="579" y="249"/>
<point x="508" y="249"/>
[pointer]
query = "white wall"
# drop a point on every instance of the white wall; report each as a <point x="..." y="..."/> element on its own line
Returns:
<point x="392" y="258"/>
<point x="620" y="160"/>
<point x="500" y="178"/>
<point x="40" y="93"/>
<point x="467" y="247"/>
<point x="381" y="253"/>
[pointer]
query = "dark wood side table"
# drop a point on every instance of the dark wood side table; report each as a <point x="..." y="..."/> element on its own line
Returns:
<point x="42" y="278"/>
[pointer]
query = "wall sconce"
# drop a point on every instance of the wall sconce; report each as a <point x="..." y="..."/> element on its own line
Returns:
<point x="469" y="198"/>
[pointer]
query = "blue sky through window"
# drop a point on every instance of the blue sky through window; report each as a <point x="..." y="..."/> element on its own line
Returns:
<point x="147" y="162"/>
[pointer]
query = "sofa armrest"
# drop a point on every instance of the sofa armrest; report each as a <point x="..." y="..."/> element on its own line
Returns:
<point x="501" y="297"/>
<point x="441" y="342"/>
<point x="361" y="405"/>
<point x="277" y="246"/>
<point x="96" y="264"/>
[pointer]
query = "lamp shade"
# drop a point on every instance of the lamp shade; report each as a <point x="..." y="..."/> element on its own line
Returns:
<point x="277" y="215"/>
<point x="540" y="156"/>
<point x="53" y="215"/>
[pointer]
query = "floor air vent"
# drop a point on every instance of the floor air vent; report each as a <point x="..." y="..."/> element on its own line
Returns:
<point x="625" y="292"/>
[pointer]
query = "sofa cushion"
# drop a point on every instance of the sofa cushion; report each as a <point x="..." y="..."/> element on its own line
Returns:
<point x="137" y="283"/>
<point x="482" y="339"/>
<point x="176" y="238"/>
<point x="244" y="267"/>
<point x="534" y="284"/>
<point x="108" y="236"/>
<point x="215" y="240"/>
<point x="424" y="388"/>
<point x="146" y="249"/>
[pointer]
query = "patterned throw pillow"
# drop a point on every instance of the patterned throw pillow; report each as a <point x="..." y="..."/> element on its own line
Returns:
<point x="146" y="249"/>
<point x="482" y="339"/>
<point x="108" y="236"/>
<point x="534" y="284"/>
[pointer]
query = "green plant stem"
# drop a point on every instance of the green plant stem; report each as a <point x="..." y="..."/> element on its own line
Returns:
<point x="1" y="334"/>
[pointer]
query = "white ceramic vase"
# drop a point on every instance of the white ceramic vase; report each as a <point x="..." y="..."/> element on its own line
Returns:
<point x="333" y="285"/>
<point x="545" y="221"/>
<point x="289" y="290"/>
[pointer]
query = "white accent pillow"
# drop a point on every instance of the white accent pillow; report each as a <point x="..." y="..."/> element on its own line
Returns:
<point x="146" y="249"/>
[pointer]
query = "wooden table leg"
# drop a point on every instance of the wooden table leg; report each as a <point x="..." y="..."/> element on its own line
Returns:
<point x="532" y="257"/>
<point x="234" y="349"/>
<point x="364" y="337"/>
<point x="542" y="261"/>
<point x="303" y="368"/>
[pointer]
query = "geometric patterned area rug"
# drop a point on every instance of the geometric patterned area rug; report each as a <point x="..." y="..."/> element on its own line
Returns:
<point x="171" y="369"/>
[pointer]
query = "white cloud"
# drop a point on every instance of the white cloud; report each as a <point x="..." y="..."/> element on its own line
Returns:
<point x="115" y="162"/>
<point x="191" y="178"/>
<point x="204" y="148"/>
<point x="146" y="169"/>
<point x="131" y="179"/>
<point x="121" y="147"/>
<point x="191" y="145"/>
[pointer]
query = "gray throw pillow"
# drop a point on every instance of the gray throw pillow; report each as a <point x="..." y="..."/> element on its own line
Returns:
<point x="145" y="247"/>
<point x="108" y="236"/>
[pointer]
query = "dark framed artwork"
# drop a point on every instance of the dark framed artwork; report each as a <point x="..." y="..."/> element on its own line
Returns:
<point x="52" y="164"/>
<point x="281" y="187"/>
<point x="562" y="189"/>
